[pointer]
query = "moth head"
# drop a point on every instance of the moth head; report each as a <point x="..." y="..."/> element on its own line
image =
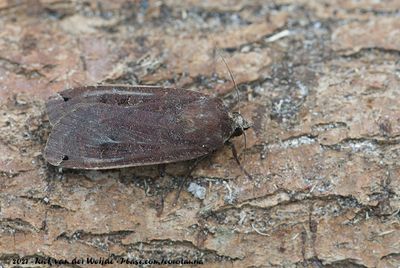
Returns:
<point x="239" y="124"/>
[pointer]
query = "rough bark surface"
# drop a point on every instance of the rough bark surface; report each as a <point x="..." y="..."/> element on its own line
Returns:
<point x="318" y="79"/>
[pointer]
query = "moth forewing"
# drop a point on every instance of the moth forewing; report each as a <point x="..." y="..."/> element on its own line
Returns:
<point x="104" y="127"/>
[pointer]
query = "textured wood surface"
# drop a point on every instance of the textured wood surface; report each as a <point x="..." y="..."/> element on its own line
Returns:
<point x="319" y="80"/>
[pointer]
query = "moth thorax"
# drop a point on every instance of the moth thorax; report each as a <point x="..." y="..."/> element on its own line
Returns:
<point x="239" y="124"/>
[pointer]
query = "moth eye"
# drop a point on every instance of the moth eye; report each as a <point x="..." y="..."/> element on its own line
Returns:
<point x="65" y="157"/>
<point x="65" y="98"/>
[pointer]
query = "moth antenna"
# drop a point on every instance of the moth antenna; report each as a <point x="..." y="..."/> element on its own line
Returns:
<point x="232" y="78"/>
<point x="237" y="94"/>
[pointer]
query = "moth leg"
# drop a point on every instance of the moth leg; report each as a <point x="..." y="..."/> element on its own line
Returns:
<point x="161" y="170"/>
<point x="235" y="155"/>
<point x="185" y="178"/>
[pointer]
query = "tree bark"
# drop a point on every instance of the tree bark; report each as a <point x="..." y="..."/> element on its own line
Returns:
<point x="319" y="81"/>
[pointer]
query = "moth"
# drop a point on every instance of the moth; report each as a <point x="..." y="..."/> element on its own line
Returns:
<point x="114" y="126"/>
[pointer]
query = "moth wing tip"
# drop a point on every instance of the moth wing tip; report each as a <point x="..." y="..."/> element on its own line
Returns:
<point x="53" y="158"/>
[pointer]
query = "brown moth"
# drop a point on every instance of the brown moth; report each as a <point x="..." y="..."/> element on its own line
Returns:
<point x="105" y="127"/>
